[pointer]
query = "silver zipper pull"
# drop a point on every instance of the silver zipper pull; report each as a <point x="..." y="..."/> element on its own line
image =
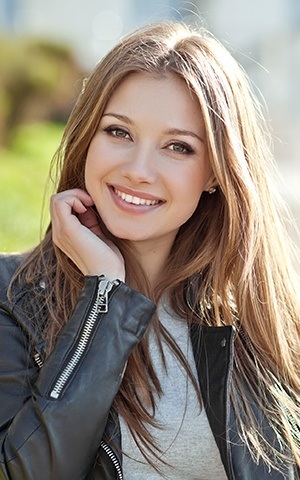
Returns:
<point x="104" y="288"/>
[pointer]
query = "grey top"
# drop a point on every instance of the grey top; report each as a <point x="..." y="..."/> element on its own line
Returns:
<point x="185" y="438"/>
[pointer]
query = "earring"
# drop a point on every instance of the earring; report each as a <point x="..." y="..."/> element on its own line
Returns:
<point x="212" y="190"/>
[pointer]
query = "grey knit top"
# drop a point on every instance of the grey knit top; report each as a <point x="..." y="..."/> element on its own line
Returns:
<point x="185" y="438"/>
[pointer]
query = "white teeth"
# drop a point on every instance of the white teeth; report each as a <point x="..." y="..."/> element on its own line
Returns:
<point x="135" y="200"/>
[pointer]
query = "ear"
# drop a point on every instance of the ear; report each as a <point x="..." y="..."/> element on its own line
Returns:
<point x="211" y="185"/>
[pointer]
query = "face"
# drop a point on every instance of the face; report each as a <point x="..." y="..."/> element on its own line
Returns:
<point x="147" y="165"/>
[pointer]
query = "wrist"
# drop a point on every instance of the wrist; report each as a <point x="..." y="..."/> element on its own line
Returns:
<point x="110" y="275"/>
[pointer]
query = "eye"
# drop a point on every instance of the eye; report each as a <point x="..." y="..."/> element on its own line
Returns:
<point x="181" y="147"/>
<point x="117" y="132"/>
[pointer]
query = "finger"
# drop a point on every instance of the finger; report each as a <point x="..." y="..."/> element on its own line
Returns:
<point x="79" y="193"/>
<point x="90" y="220"/>
<point x="77" y="199"/>
<point x="64" y="209"/>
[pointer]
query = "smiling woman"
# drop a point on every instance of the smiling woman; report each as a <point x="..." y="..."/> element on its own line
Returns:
<point x="157" y="156"/>
<point x="159" y="316"/>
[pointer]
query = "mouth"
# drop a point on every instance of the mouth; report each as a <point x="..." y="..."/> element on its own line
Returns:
<point x="134" y="199"/>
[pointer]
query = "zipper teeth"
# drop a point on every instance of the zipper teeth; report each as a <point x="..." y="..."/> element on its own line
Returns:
<point x="64" y="376"/>
<point x="38" y="360"/>
<point x="113" y="458"/>
<point x="83" y="340"/>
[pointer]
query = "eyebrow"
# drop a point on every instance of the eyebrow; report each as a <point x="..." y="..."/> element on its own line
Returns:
<point x="123" y="118"/>
<point x="179" y="131"/>
<point x="170" y="131"/>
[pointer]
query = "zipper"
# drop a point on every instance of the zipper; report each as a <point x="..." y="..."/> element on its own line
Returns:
<point x="38" y="360"/>
<point x="39" y="355"/>
<point x="100" y="306"/>
<point x="112" y="456"/>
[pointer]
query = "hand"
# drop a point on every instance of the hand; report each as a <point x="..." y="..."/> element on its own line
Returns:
<point x="76" y="231"/>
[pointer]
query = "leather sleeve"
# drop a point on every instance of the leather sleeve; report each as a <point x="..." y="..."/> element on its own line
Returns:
<point x="57" y="438"/>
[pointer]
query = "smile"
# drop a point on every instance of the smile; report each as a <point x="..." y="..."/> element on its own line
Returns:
<point x="135" y="200"/>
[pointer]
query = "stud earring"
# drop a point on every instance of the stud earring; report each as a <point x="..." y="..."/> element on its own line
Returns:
<point x="212" y="190"/>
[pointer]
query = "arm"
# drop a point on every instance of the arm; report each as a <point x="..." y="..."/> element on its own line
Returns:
<point x="49" y="436"/>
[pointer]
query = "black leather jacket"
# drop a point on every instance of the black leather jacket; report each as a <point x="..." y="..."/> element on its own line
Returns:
<point x="54" y="420"/>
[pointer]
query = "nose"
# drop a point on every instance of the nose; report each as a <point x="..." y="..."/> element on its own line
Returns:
<point x="140" y="165"/>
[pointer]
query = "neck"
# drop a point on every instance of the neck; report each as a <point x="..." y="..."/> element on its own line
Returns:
<point x="153" y="259"/>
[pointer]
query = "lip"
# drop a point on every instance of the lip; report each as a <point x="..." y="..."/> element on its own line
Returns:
<point x="132" y="207"/>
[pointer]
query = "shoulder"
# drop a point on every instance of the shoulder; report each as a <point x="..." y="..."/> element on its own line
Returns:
<point x="9" y="263"/>
<point x="20" y="310"/>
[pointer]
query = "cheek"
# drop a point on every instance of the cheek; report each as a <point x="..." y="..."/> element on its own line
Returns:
<point x="95" y="165"/>
<point x="193" y="183"/>
<point x="92" y="175"/>
<point x="102" y="157"/>
<point x="88" y="174"/>
<point x="191" y="188"/>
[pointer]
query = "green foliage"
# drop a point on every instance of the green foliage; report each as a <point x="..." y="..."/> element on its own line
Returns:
<point x="39" y="81"/>
<point x="24" y="173"/>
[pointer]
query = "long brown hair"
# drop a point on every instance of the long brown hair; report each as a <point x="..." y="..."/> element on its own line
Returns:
<point x="232" y="253"/>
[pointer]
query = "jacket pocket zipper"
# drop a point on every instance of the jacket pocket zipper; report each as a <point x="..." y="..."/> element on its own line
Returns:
<point x="113" y="458"/>
<point x="100" y="306"/>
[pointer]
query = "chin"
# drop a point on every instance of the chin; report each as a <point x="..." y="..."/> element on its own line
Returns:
<point x="124" y="234"/>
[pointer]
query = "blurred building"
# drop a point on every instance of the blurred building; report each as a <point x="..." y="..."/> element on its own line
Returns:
<point x="265" y="38"/>
<point x="91" y="27"/>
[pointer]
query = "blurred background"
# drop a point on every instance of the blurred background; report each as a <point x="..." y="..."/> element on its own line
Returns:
<point x="47" y="47"/>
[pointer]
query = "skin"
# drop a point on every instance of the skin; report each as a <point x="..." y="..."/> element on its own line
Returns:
<point x="146" y="169"/>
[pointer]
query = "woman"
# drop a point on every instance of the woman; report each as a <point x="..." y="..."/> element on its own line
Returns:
<point x="163" y="199"/>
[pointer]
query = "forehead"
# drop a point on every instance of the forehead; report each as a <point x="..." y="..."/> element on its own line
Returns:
<point x="164" y="98"/>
